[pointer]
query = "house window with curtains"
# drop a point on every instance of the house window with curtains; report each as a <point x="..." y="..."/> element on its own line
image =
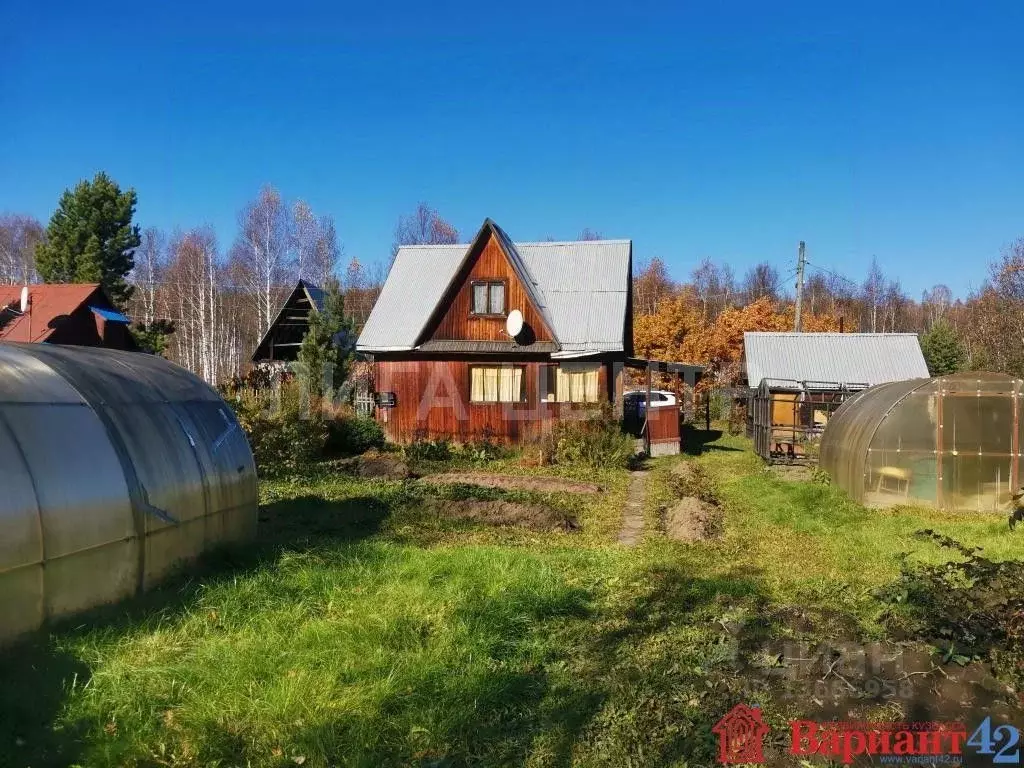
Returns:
<point x="489" y="298"/>
<point x="572" y="383"/>
<point x="497" y="384"/>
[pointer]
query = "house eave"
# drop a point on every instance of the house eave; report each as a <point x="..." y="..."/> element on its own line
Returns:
<point x="370" y="350"/>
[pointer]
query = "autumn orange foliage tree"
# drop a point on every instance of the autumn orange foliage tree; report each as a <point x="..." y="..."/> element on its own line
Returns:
<point x="676" y="332"/>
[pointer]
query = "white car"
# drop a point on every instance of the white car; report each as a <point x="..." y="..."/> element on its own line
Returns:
<point x="660" y="398"/>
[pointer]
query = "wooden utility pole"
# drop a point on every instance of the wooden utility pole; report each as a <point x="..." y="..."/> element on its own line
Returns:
<point x="800" y="261"/>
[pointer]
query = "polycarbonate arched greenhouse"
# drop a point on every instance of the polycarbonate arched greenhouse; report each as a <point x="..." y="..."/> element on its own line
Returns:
<point x="953" y="442"/>
<point x="114" y="467"/>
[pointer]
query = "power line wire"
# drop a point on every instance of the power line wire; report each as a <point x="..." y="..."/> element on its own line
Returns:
<point x="834" y="274"/>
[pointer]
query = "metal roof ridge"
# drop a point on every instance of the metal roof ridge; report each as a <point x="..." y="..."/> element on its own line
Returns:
<point x="518" y="243"/>
<point x="575" y="242"/>
<point x="832" y="333"/>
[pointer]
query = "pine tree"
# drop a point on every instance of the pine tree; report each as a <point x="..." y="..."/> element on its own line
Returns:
<point x="154" y="337"/>
<point x="326" y="347"/>
<point x="91" y="238"/>
<point x="942" y="350"/>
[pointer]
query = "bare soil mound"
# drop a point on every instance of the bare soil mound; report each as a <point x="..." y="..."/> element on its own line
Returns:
<point x="693" y="520"/>
<point x="534" y="517"/>
<point x="513" y="482"/>
<point x="385" y="466"/>
<point x="683" y="470"/>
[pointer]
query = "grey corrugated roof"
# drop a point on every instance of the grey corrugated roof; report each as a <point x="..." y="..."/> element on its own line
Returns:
<point x="582" y="288"/>
<point x="844" y="358"/>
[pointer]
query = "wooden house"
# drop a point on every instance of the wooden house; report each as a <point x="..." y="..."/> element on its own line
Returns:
<point x="280" y="344"/>
<point x="79" y="314"/>
<point x="445" y="362"/>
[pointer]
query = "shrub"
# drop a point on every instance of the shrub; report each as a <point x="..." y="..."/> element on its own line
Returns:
<point x="972" y="608"/>
<point x="282" y="439"/>
<point x="597" y="441"/>
<point x="428" y="450"/>
<point x="717" y="405"/>
<point x="351" y="434"/>
<point x="737" y="419"/>
<point x="481" y="451"/>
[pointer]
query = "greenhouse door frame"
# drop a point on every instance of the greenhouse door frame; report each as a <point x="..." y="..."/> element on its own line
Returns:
<point x="940" y="451"/>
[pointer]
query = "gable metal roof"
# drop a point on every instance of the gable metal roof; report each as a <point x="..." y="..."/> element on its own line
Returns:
<point x="844" y="358"/>
<point x="582" y="288"/>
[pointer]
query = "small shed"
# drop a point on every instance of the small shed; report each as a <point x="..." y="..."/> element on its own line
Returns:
<point x="116" y="467"/>
<point x="797" y="380"/>
<point x="952" y="442"/>
<point x="867" y="358"/>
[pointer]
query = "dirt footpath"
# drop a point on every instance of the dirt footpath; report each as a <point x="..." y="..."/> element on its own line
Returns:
<point x="633" y="513"/>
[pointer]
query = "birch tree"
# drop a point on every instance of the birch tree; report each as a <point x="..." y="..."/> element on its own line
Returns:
<point x="714" y="286"/>
<point x="326" y="252"/>
<point x="872" y="294"/>
<point x="194" y="275"/>
<point x="935" y="304"/>
<point x="150" y="266"/>
<point x="651" y="285"/>
<point x="263" y="253"/>
<point x="423" y="227"/>
<point x="303" y="238"/>
<point x="315" y="245"/>
<point x="19" y="236"/>
<point x="761" y="281"/>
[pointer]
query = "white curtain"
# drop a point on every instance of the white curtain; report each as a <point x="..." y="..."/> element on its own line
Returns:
<point x="476" y="385"/>
<point x="496" y="385"/>
<point x="497" y="298"/>
<point x="480" y="299"/>
<point x="577" y="383"/>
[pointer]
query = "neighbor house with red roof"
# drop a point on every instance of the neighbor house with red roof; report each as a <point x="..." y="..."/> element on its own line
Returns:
<point x="79" y="314"/>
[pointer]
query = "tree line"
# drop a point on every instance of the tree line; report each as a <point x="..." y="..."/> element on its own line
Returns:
<point x="702" y="319"/>
<point x="197" y="302"/>
<point x="205" y="304"/>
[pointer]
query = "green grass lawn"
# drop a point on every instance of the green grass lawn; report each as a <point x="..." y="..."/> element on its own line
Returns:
<point x="363" y="630"/>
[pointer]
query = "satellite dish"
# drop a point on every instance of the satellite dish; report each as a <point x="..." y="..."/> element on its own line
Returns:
<point x="514" y="323"/>
<point x="24" y="300"/>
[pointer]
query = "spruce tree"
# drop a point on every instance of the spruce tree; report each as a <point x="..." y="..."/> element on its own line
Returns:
<point x="326" y="346"/>
<point x="943" y="352"/>
<point x="91" y="238"/>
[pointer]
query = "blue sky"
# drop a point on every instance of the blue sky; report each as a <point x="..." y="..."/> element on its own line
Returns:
<point x="726" y="130"/>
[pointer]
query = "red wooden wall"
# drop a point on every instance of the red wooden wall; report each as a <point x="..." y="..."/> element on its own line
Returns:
<point x="458" y="323"/>
<point x="433" y="401"/>
<point x="663" y="424"/>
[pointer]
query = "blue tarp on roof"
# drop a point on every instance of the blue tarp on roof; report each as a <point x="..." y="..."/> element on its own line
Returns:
<point x="110" y="315"/>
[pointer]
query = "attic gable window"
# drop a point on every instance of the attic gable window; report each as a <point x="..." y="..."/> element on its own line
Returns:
<point x="488" y="298"/>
